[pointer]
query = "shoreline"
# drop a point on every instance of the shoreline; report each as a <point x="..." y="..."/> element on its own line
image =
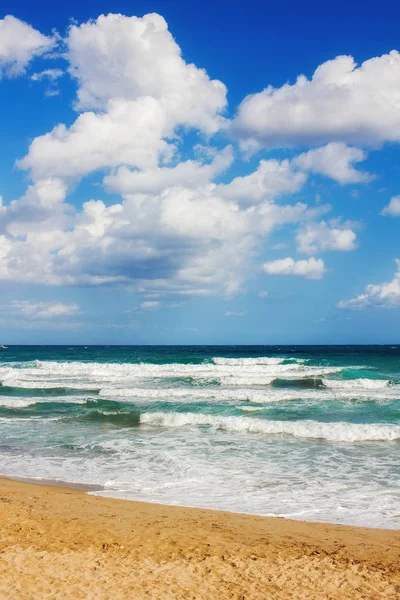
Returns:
<point x="101" y="547"/>
<point x="92" y="488"/>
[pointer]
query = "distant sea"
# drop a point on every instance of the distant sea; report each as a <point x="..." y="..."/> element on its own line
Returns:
<point x="306" y="432"/>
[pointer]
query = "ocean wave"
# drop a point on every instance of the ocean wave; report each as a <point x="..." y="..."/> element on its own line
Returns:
<point x="48" y="387"/>
<point x="334" y="432"/>
<point x="307" y="383"/>
<point x="189" y="395"/>
<point x="104" y="370"/>
<point x="361" y="383"/>
<point x="262" y="360"/>
<point x="115" y="418"/>
<point x="16" y="403"/>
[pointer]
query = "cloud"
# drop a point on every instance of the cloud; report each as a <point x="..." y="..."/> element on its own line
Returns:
<point x="384" y="295"/>
<point x="335" y="161"/>
<point x="131" y="57"/>
<point x="271" y="179"/>
<point x="393" y="208"/>
<point x="263" y="294"/>
<point x="150" y="304"/>
<point x="311" y="268"/>
<point x="175" y="229"/>
<point x="44" y="310"/>
<point x="342" y="102"/>
<point x="130" y="132"/>
<point x="235" y="314"/>
<point x="40" y="207"/>
<point x="153" y="181"/>
<point x="49" y="74"/>
<point x="319" y="237"/>
<point x="137" y="90"/>
<point x="19" y="45"/>
<point x="191" y="238"/>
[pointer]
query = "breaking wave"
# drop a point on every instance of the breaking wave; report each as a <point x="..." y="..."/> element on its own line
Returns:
<point x="334" y="432"/>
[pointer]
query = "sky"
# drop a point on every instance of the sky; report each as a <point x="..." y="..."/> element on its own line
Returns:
<point x="199" y="173"/>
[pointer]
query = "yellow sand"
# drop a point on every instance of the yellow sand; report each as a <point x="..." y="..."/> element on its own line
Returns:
<point x="61" y="543"/>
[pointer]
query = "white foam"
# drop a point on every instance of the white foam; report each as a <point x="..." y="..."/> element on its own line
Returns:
<point x="16" y="403"/>
<point x="24" y="402"/>
<point x="355" y="384"/>
<point x="189" y="394"/>
<point x="103" y="370"/>
<point x="88" y="376"/>
<point x="262" y="360"/>
<point x="233" y="394"/>
<point x="32" y="384"/>
<point x="335" y="432"/>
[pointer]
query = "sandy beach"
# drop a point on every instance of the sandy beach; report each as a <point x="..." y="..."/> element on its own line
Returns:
<point x="58" y="542"/>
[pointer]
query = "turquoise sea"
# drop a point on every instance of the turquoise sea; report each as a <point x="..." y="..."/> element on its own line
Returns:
<point x="308" y="432"/>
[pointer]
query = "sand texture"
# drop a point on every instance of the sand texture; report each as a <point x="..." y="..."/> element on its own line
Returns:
<point x="61" y="543"/>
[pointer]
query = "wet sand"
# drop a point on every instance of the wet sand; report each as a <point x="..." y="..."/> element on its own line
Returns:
<point x="61" y="543"/>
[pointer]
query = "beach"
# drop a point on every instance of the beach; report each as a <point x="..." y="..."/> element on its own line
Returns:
<point x="58" y="542"/>
<point x="306" y="433"/>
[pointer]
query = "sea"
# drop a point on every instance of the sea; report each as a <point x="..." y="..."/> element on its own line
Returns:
<point x="305" y="432"/>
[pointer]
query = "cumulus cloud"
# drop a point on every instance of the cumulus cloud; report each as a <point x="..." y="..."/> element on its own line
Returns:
<point x="334" y="160"/>
<point x="176" y="228"/>
<point x="342" y="102"/>
<point x="137" y="90"/>
<point x="130" y="133"/>
<point x="182" y="240"/>
<point x="44" y="310"/>
<point x="131" y="57"/>
<point x="383" y="295"/>
<point x="191" y="173"/>
<point x="393" y="208"/>
<point x="311" y="268"/>
<point x="319" y="237"/>
<point x="20" y="43"/>
<point x="271" y="179"/>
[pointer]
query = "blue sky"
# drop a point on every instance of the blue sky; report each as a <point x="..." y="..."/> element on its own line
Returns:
<point x="199" y="175"/>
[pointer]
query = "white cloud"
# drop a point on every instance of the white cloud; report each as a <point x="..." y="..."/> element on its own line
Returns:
<point x="235" y="314"/>
<point x="311" y="268"/>
<point x="131" y="75"/>
<point x="150" y="304"/>
<point x="44" y="310"/>
<point x="191" y="173"/>
<point x="263" y="294"/>
<point x="334" y="160"/>
<point x="271" y="179"/>
<point x="319" y="237"/>
<point x="130" y="133"/>
<point x="49" y="74"/>
<point x="384" y="295"/>
<point x="181" y="240"/>
<point x="131" y="57"/>
<point x="19" y="45"/>
<point x="393" y="208"/>
<point x="341" y="103"/>
<point x="174" y="230"/>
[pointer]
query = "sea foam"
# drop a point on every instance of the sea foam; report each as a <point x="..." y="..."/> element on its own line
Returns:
<point x="335" y="432"/>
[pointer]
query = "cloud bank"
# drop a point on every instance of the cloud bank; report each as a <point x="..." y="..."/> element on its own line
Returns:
<point x="154" y="131"/>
